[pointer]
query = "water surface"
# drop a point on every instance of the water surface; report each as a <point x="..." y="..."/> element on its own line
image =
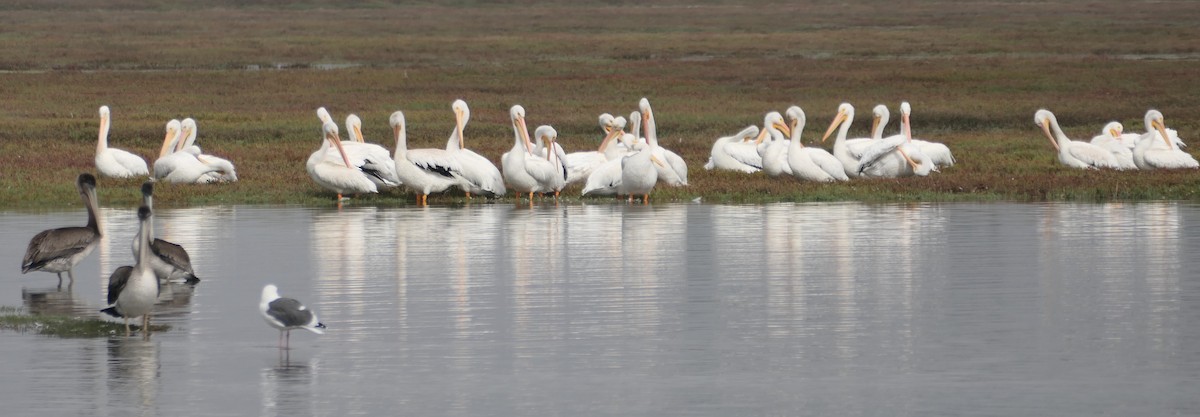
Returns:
<point x="784" y="309"/>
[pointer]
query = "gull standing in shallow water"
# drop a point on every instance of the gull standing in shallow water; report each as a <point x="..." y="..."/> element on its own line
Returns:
<point x="286" y="314"/>
<point x="133" y="290"/>
<point x="59" y="250"/>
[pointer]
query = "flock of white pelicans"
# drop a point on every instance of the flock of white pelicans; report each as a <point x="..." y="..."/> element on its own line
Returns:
<point x="628" y="163"/>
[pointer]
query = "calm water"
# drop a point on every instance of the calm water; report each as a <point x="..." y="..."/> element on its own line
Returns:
<point x="821" y="309"/>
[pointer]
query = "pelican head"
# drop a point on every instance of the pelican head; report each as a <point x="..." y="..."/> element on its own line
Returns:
<point x="173" y="133"/>
<point x="330" y="130"/>
<point x="845" y="112"/>
<point x="104" y="112"/>
<point x="1113" y="129"/>
<point x="517" y="114"/>
<point x="773" y="121"/>
<point x="396" y="120"/>
<point x="1154" y="120"/>
<point x="619" y="123"/>
<point x="187" y="133"/>
<point x="354" y="128"/>
<point x="1044" y="119"/>
<point x="324" y="115"/>
<point x="796" y="121"/>
<point x="547" y="135"/>
<point x="905" y="124"/>
<point x="644" y="107"/>
<point x="635" y="118"/>
<point x="462" y="114"/>
<point x="606" y="122"/>
<point x="879" y="118"/>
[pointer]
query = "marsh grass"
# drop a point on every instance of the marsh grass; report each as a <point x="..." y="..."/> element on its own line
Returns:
<point x="15" y="319"/>
<point x="975" y="73"/>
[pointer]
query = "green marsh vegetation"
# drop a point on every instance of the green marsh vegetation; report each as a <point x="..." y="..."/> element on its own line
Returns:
<point x="16" y="319"/>
<point x="252" y="75"/>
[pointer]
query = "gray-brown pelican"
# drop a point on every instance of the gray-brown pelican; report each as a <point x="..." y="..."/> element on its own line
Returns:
<point x="286" y="314"/>
<point x="133" y="290"/>
<point x="168" y="260"/>
<point x="59" y="250"/>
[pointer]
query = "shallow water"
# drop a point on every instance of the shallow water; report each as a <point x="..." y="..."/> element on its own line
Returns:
<point x="812" y="309"/>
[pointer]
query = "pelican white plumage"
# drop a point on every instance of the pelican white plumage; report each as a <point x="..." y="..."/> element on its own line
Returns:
<point x="341" y="177"/>
<point x="848" y="151"/>
<point x="59" y="250"/>
<point x="1150" y="154"/>
<point x="894" y="157"/>
<point x="738" y="152"/>
<point x="811" y="164"/>
<point x="133" y="290"/>
<point x="938" y="153"/>
<point x="638" y="174"/>
<point x="774" y="151"/>
<point x="423" y="171"/>
<point x="479" y="175"/>
<point x="1110" y="139"/>
<point x="167" y="260"/>
<point x="581" y="164"/>
<point x="525" y="171"/>
<point x="224" y="169"/>
<point x="606" y="179"/>
<point x="1073" y="154"/>
<point x="286" y="314"/>
<point x="183" y="165"/>
<point x="557" y="157"/>
<point x="373" y="159"/>
<point x="113" y="162"/>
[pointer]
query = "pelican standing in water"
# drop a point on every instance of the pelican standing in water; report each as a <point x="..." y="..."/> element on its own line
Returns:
<point x="341" y="177"/>
<point x="286" y="314"/>
<point x="133" y="290"/>
<point x="524" y="171"/>
<point x="1071" y="153"/>
<point x="423" y="171"/>
<point x="811" y="164"/>
<point x="479" y="175"/>
<point x="638" y="173"/>
<point x="113" y="162"/>
<point x="59" y="250"/>
<point x="168" y="260"/>
<point x="1150" y="154"/>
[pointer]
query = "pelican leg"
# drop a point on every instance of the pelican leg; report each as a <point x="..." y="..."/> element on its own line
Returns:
<point x="645" y="199"/>
<point x="60" y="280"/>
<point x="146" y="326"/>
<point x="468" y="195"/>
<point x="127" y="332"/>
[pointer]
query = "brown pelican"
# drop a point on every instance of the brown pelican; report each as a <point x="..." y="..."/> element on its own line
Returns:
<point x="167" y="259"/>
<point x="133" y="290"/>
<point x="58" y="250"/>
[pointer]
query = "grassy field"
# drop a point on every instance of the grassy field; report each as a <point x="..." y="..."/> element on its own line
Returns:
<point x="975" y="72"/>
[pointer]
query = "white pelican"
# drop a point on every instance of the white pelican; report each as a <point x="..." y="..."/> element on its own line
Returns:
<point x="479" y="175"/>
<point x="894" y="157"/>
<point x="182" y="165"/>
<point x="1150" y="155"/>
<point x="557" y="158"/>
<point x="1072" y="153"/>
<point x="581" y="164"/>
<point x="167" y="260"/>
<point x="225" y="171"/>
<point x="638" y="173"/>
<point x="525" y="171"/>
<point x="938" y="153"/>
<point x="811" y="164"/>
<point x="423" y="171"/>
<point x="673" y="171"/>
<point x="1110" y="139"/>
<point x="133" y="290"/>
<point x="376" y="161"/>
<point x="774" y="152"/>
<point x="59" y="250"/>
<point x="848" y="151"/>
<point x="113" y="162"/>
<point x="286" y="314"/>
<point x="606" y="179"/>
<point x="738" y="152"/>
<point x="341" y="177"/>
<point x="628" y="147"/>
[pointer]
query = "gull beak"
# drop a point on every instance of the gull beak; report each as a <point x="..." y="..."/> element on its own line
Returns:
<point x="841" y="117"/>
